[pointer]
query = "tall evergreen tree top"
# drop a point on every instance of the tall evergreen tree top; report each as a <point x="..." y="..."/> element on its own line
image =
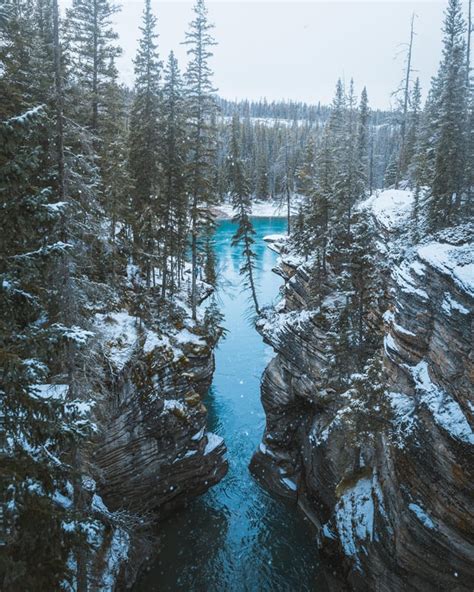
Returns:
<point x="147" y="62"/>
<point x="199" y="41"/>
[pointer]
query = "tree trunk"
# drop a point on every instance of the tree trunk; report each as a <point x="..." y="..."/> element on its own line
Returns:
<point x="406" y="97"/>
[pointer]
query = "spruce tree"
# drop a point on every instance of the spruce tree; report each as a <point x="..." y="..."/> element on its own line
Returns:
<point x="39" y="402"/>
<point x="447" y="125"/>
<point x="144" y="145"/>
<point x="200" y="110"/>
<point x="241" y="203"/>
<point x="172" y="161"/>
<point x="93" y="50"/>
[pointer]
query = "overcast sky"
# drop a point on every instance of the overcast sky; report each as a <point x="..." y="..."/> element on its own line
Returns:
<point x="296" y="50"/>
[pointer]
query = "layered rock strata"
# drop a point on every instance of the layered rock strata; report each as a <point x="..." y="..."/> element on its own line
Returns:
<point x="386" y="479"/>
<point x="154" y="451"/>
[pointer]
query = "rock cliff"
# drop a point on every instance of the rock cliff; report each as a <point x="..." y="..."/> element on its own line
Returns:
<point x="154" y="451"/>
<point x="385" y="469"/>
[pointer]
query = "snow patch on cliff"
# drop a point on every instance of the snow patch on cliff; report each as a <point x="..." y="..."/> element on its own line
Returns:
<point x="404" y="420"/>
<point x="455" y="261"/>
<point x="392" y="208"/>
<point x="422" y="516"/>
<point x="355" y="517"/>
<point x="405" y="280"/>
<point x="446" y="411"/>
<point x="120" y="333"/>
<point x="450" y="305"/>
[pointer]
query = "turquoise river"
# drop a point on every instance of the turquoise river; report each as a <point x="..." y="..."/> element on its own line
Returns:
<point x="236" y="537"/>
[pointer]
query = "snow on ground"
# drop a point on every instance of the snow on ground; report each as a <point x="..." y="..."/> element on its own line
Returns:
<point x="273" y="238"/>
<point x="456" y="261"/>
<point x="276" y="242"/>
<point x="392" y="208"/>
<point x="446" y="411"/>
<point x="121" y="336"/>
<point x="120" y="333"/>
<point x="185" y="336"/>
<point x="271" y="121"/>
<point x="273" y="323"/>
<point x="152" y="341"/>
<point x="291" y="259"/>
<point x="260" y="209"/>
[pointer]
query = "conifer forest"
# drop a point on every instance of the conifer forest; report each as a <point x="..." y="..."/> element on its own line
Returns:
<point x="236" y="334"/>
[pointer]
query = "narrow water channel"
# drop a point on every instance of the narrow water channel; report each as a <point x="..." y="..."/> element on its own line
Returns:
<point x="236" y="538"/>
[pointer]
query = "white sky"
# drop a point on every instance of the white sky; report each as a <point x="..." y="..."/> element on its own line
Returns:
<point x="297" y="49"/>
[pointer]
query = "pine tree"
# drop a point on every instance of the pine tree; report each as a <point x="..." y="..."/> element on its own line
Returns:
<point x="144" y="144"/>
<point x="412" y="131"/>
<point x="92" y="53"/>
<point x="38" y="409"/>
<point x="241" y="203"/>
<point x="116" y="182"/>
<point x="172" y="160"/>
<point x="403" y="159"/>
<point x="447" y="124"/>
<point x="306" y="174"/>
<point x="363" y="139"/>
<point x="365" y="290"/>
<point x="200" y="109"/>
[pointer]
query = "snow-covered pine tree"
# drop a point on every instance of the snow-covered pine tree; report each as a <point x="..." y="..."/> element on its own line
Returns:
<point x="447" y="125"/>
<point x="306" y="173"/>
<point x="116" y="183"/>
<point x="362" y="163"/>
<point x="44" y="422"/>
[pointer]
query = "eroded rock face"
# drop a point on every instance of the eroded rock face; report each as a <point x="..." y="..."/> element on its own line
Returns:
<point x="387" y="480"/>
<point x="154" y="452"/>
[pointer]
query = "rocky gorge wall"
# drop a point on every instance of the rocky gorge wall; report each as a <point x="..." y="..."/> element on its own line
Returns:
<point x="155" y="452"/>
<point x="152" y="452"/>
<point x="385" y="474"/>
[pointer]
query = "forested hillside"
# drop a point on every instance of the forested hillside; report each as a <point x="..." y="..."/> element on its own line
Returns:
<point x="109" y="203"/>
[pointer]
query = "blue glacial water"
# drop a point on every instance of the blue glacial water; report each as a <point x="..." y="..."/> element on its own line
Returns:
<point x="237" y="538"/>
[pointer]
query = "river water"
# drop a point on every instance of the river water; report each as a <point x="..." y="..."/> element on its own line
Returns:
<point x="236" y="538"/>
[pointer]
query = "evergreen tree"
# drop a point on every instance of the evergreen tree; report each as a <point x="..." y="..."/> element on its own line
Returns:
<point x="363" y="139"/>
<point x="200" y="109"/>
<point x="241" y="203"/>
<point x="172" y="160"/>
<point x="412" y="130"/>
<point x="116" y="183"/>
<point x="447" y="124"/>
<point x="306" y="173"/>
<point x="44" y="423"/>
<point x="93" y="50"/>
<point x="144" y="145"/>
